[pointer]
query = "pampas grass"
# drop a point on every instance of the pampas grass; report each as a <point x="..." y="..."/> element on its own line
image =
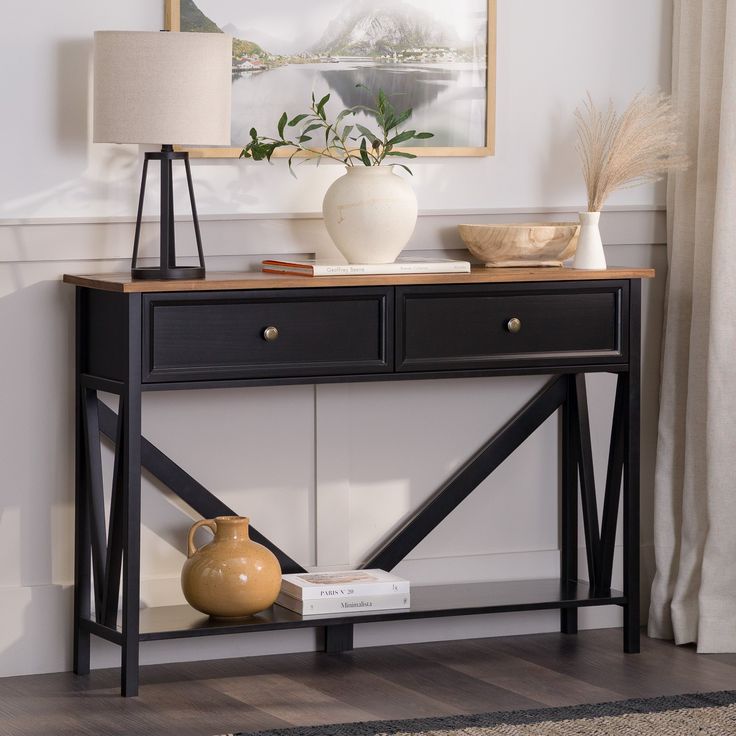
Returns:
<point x="624" y="150"/>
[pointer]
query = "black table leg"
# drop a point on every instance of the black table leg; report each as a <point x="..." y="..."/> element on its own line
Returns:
<point x="632" y="400"/>
<point x="82" y="563"/>
<point x="131" y="464"/>
<point x="338" y="638"/>
<point x="569" y="510"/>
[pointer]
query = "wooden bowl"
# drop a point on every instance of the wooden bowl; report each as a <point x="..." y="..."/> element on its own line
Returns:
<point x="529" y="244"/>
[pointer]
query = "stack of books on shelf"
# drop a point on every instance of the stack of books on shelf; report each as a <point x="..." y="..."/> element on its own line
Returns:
<point x="348" y="591"/>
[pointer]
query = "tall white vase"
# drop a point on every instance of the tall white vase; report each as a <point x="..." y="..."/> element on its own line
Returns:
<point x="370" y="213"/>
<point x="589" y="254"/>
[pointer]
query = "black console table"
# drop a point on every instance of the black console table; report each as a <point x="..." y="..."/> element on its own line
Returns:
<point x="253" y="329"/>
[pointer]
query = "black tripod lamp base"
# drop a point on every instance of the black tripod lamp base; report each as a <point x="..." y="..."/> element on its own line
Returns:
<point x="167" y="270"/>
<point x="155" y="273"/>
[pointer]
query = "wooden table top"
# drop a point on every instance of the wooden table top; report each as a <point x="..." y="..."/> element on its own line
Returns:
<point x="234" y="281"/>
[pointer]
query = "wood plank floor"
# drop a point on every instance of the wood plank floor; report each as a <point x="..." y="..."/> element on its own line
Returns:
<point x="418" y="680"/>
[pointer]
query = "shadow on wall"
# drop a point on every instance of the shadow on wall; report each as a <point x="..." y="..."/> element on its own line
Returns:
<point x="172" y="515"/>
<point x="20" y="253"/>
<point x="72" y="95"/>
<point x="107" y="182"/>
<point x="556" y="174"/>
<point x="72" y="132"/>
<point x="36" y="631"/>
<point x="107" y="172"/>
<point x="36" y="532"/>
<point x="37" y="327"/>
<point x="36" y="429"/>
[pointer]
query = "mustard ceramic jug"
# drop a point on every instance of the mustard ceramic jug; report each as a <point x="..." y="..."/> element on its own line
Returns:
<point x="232" y="576"/>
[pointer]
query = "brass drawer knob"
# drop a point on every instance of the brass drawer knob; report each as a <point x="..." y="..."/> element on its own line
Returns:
<point x="514" y="325"/>
<point x="271" y="334"/>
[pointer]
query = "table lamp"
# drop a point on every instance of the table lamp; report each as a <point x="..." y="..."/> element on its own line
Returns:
<point x="161" y="88"/>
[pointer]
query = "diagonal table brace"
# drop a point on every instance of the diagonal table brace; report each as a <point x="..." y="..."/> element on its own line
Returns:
<point x="187" y="488"/>
<point x="472" y="474"/>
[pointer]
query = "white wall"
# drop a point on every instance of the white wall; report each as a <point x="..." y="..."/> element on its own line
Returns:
<point x="359" y="457"/>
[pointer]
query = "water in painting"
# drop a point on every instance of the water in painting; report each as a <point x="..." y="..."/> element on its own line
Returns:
<point x="428" y="55"/>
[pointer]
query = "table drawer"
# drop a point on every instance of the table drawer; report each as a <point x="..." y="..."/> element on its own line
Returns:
<point x="445" y="328"/>
<point x="211" y="336"/>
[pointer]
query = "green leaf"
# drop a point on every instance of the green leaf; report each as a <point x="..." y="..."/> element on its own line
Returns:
<point x="382" y="101"/>
<point x="291" y="167"/>
<point x="282" y="124"/>
<point x="388" y="115"/>
<point x="407" y="135"/>
<point x="365" y="109"/>
<point x="401" y="118"/>
<point x="266" y="150"/>
<point x="254" y="134"/>
<point x="321" y="106"/>
<point x="424" y="135"/>
<point x="364" y="153"/>
<point x="406" y="168"/>
<point x="343" y="115"/>
<point x="295" y="121"/>
<point x="367" y="133"/>
<point x="304" y="138"/>
<point x="403" y="154"/>
<point x="259" y="153"/>
<point x="310" y="128"/>
<point x="389" y="119"/>
<point x="347" y="130"/>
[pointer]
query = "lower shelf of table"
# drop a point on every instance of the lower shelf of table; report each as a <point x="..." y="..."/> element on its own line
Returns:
<point x="173" y="622"/>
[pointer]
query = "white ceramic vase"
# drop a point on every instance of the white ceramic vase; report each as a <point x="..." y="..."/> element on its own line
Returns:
<point x="370" y="214"/>
<point x="589" y="255"/>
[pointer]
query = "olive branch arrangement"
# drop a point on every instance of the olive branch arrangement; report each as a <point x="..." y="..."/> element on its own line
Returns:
<point x="345" y="141"/>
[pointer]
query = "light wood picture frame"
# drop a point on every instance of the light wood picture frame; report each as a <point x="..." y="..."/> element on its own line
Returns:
<point x="450" y="74"/>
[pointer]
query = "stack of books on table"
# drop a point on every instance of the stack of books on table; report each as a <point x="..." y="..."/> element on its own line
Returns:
<point x="348" y="591"/>
<point x="405" y="264"/>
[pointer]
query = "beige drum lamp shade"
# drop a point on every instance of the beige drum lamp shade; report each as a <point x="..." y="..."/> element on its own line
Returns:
<point x="162" y="88"/>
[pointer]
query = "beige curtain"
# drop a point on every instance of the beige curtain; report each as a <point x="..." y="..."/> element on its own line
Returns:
<point x="694" y="591"/>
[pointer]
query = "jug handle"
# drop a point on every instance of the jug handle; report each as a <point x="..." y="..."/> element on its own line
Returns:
<point x="210" y="523"/>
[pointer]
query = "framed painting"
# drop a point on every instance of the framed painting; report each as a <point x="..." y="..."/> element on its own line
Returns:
<point x="437" y="57"/>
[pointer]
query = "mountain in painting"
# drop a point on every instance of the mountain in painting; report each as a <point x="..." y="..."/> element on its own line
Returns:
<point x="376" y="29"/>
<point x="193" y="19"/>
<point x="265" y="40"/>
<point x="233" y="30"/>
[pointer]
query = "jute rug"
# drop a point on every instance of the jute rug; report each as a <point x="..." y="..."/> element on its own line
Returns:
<point x="705" y="714"/>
